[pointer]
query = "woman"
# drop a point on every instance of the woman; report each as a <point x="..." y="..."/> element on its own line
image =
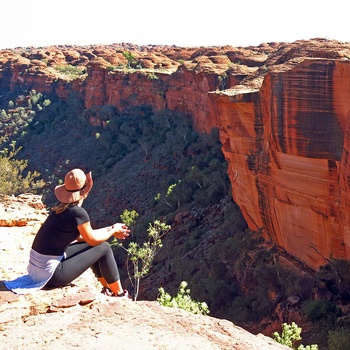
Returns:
<point x="55" y="261"/>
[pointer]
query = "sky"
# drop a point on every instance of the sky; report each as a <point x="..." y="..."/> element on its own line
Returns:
<point x="186" y="23"/>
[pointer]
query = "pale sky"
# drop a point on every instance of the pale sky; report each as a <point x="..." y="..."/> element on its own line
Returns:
<point x="37" y="23"/>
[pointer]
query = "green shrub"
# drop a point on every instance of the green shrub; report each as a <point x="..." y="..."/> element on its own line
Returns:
<point x="321" y="310"/>
<point x="13" y="179"/>
<point x="69" y="71"/>
<point x="290" y="334"/>
<point x="129" y="217"/>
<point x="129" y="57"/>
<point x="182" y="300"/>
<point x="35" y="97"/>
<point x="111" y="68"/>
<point x="339" y="339"/>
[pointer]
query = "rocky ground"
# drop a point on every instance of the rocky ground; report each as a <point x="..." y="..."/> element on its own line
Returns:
<point x="78" y="316"/>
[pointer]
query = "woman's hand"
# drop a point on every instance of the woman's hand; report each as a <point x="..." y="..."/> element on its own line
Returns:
<point x="95" y="237"/>
<point x="121" y="231"/>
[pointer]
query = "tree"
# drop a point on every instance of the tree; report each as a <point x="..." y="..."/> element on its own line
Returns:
<point x="129" y="57"/>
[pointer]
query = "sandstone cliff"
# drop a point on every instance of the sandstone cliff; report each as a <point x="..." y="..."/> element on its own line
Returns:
<point x="282" y="111"/>
<point x="286" y="140"/>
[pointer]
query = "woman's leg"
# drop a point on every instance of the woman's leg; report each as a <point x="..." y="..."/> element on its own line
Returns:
<point x="81" y="256"/>
<point x="115" y="287"/>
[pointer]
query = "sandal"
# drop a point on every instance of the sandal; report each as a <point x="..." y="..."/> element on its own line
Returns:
<point x="125" y="295"/>
<point x="109" y="293"/>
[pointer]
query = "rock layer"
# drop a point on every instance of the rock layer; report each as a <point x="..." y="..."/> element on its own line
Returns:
<point x="287" y="147"/>
<point x="282" y="110"/>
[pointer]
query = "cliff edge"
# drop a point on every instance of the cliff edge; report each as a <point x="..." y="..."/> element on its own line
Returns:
<point x="78" y="316"/>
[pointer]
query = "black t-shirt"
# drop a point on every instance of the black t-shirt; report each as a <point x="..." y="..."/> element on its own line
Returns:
<point x="59" y="230"/>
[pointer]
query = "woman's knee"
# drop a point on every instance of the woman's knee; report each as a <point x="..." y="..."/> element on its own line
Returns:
<point x="103" y="249"/>
<point x="105" y="246"/>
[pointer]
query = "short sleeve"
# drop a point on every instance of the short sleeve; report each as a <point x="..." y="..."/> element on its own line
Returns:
<point x="81" y="216"/>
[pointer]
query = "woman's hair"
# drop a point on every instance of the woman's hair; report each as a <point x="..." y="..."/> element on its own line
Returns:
<point x="61" y="207"/>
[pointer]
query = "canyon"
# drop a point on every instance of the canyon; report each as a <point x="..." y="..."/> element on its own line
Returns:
<point x="282" y="111"/>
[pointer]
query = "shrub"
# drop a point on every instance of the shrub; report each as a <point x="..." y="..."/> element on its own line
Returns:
<point x="111" y="68"/>
<point x="69" y="71"/>
<point x="143" y="256"/>
<point x="321" y="310"/>
<point x="336" y="275"/>
<point x="339" y="339"/>
<point x="128" y="217"/>
<point x="290" y="334"/>
<point x="182" y="300"/>
<point x="129" y="57"/>
<point x="13" y="180"/>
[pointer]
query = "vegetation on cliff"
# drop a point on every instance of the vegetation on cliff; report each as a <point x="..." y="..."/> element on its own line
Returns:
<point x="155" y="163"/>
<point x="14" y="177"/>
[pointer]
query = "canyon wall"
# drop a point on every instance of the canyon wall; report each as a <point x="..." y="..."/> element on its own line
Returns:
<point x="282" y="111"/>
<point x="287" y="146"/>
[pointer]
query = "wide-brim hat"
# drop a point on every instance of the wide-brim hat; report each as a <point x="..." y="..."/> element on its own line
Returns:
<point x="76" y="185"/>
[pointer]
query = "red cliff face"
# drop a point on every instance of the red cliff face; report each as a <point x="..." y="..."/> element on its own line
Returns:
<point x="183" y="87"/>
<point x="287" y="144"/>
<point x="282" y="111"/>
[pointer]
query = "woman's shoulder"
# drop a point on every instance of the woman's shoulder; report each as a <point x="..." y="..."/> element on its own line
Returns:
<point x="78" y="211"/>
<point x="76" y="208"/>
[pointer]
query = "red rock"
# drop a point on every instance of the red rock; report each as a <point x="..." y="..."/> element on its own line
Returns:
<point x="21" y="210"/>
<point x="287" y="146"/>
<point x="7" y="297"/>
<point x="82" y="297"/>
<point x="281" y="108"/>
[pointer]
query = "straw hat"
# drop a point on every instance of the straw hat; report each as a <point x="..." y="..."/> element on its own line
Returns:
<point x="77" y="184"/>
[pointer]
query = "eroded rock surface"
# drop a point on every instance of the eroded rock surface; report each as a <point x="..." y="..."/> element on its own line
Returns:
<point x="286" y="138"/>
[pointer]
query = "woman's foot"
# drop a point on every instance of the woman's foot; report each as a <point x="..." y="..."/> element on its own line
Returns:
<point x="124" y="294"/>
<point x="107" y="291"/>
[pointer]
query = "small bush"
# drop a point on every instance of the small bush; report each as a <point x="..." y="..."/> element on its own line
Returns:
<point x="13" y="180"/>
<point x="182" y="300"/>
<point x="290" y="334"/>
<point x="111" y="68"/>
<point x="317" y="310"/>
<point x="339" y="339"/>
<point x="70" y="71"/>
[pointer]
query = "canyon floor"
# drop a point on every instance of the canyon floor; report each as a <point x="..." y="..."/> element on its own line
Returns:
<point x="79" y="316"/>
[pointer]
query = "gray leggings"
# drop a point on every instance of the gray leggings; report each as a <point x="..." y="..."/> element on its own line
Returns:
<point x="81" y="256"/>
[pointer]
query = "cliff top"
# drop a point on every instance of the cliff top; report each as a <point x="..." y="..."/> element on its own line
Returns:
<point x="79" y="314"/>
<point x="248" y="65"/>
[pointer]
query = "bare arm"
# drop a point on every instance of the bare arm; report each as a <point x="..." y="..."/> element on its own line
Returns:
<point x="95" y="237"/>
